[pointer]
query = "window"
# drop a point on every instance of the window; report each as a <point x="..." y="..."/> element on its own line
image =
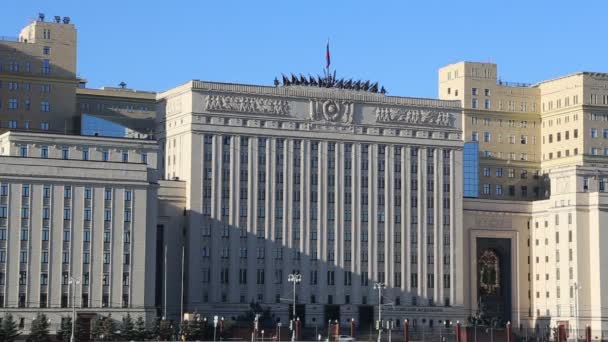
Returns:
<point x="23" y="151"/>
<point x="13" y="104"/>
<point x="44" y="126"/>
<point x="474" y="103"/>
<point x="85" y="154"/>
<point x="594" y="132"/>
<point x="486" y="189"/>
<point x="45" y="106"/>
<point x="105" y="155"/>
<point x="44" y="152"/>
<point x="125" y="157"/>
<point x="65" y="152"/>
<point x="128" y="216"/>
<point x="486" y="136"/>
<point x="46" y="50"/>
<point x="474" y="136"/>
<point x="487" y="104"/>
<point x="46" y="66"/>
<point x="498" y="189"/>
<point x="12" y="124"/>
<point x="474" y="91"/>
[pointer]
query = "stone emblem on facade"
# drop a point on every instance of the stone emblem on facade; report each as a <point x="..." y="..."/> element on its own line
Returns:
<point x="489" y="272"/>
<point x="340" y="112"/>
<point x="414" y="116"/>
<point x="247" y="104"/>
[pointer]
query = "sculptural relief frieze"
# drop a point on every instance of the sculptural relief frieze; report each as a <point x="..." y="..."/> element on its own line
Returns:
<point x="414" y="116"/>
<point x="247" y="104"/>
<point x="340" y="112"/>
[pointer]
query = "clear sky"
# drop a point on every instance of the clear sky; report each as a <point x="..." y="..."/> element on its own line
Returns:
<point x="156" y="45"/>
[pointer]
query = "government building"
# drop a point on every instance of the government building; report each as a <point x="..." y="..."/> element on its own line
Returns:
<point x="205" y="198"/>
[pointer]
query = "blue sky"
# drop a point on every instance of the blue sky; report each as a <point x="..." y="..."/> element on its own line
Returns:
<point x="154" y="45"/>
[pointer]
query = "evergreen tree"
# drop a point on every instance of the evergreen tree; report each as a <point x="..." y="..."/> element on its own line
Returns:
<point x="185" y="332"/>
<point x="165" y="331"/>
<point x="96" y="329"/>
<point x="155" y="332"/>
<point x="141" y="333"/>
<point x="108" y="329"/>
<point x="1" y="329"/>
<point x="127" y="329"/>
<point x="40" y="329"/>
<point x="196" y="330"/>
<point x="9" y="327"/>
<point x="65" y="329"/>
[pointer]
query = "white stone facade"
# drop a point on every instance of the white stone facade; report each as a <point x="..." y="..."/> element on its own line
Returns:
<point x="347" y="188"/>
<point x="90" y="215"/>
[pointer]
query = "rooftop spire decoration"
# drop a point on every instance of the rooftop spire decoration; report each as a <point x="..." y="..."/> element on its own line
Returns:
<point x="328" y="80"/>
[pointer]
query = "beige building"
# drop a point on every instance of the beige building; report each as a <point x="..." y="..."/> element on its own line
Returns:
<point x="347" y="188"/>
<point x="77" y="207"/>
<point x="38" y="78"/>
<point x="551" y="138"/>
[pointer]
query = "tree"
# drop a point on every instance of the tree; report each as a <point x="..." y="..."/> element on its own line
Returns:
<point x="127" y="329"/>
<point x="96" y="329"/>
<point x="65" y="330"/>
<point x="185" y="332"/>
<point x="1" y="330"/>
<point x="155" y="331"/>
<point x="9" y="327"/>
<point x="196" y="329"/>
<point x="40" y="329"/>
<point x="108" y="329"/>
<point x="141" y="333"/>
<point x="165" y="331"/>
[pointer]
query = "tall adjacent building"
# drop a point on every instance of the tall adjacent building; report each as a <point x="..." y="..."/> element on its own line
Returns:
<point x="543" y="152"/>
<point x="38" y="77"/>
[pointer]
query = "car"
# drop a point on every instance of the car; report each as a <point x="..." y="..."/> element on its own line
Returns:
<point x="346" y="338"/>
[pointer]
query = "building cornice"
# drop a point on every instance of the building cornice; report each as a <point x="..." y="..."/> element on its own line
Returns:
<point x="324" y="93"/>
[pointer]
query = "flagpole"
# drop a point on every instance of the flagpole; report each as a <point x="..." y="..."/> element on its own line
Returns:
<point x="328" y="62"/>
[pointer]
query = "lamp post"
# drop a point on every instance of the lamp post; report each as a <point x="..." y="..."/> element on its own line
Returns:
<point x="379" y="287"/>
<point x="72" y="287"/>
<point x="215" y="321"/>
<point x="577" y="287"/>
<point x="294" y="278"/>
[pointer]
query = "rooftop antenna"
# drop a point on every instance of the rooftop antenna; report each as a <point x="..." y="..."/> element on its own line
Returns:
<point x="57" y="19"/>
<point x="40" y="16"/>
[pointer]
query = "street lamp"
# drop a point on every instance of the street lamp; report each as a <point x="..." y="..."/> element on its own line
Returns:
<point x="294" y="278"/>
<point x="72" y="282"/>
<point x="379" y="287"/>
<point x="215" y="321"/>
<point x="577" y="287"/>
